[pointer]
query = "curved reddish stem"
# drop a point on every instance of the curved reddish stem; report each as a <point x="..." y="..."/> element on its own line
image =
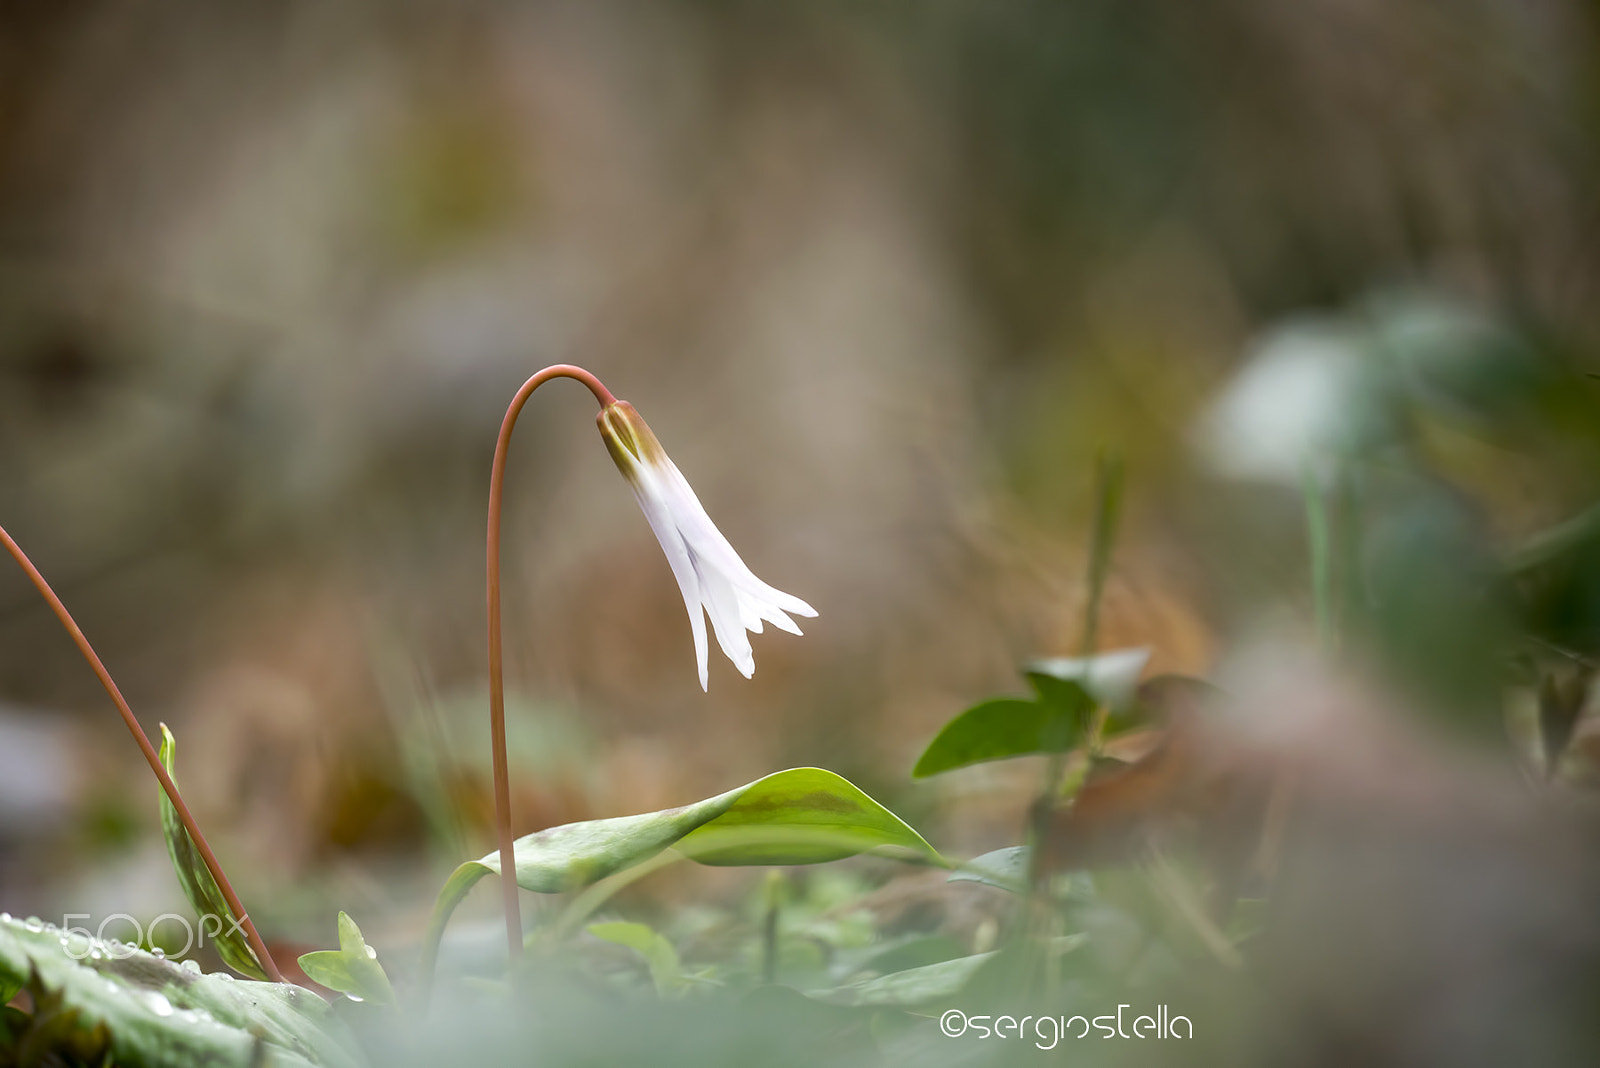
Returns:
<point x="497" y="694"/>
<point x="171" y="788"/>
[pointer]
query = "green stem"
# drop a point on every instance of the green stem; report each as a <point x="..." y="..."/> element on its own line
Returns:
<point x="1108" y="509"/>
<point x="769" y="926"/>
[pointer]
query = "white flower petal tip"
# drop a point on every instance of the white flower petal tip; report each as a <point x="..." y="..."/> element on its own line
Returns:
<point x="713" y="580"/>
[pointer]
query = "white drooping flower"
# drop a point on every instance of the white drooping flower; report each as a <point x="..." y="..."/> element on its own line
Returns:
<point x="710" y="574"/>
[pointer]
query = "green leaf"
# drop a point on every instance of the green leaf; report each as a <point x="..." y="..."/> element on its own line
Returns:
<point x="205" y="897"/>
<point x="665" y="970"/>
<point x="352" y="969"/>
<point x="799" y="816"/>
<point x="1066" y="694"/>
<point x="13" y="1023"/>
<point x="157" y="1012"/>
<point x="914" y="951"/>
<point x="1069" y="688"/>
<point x="998" y="729"/>
<point x="1005" y="868"/>
<point x="914" y="986"/>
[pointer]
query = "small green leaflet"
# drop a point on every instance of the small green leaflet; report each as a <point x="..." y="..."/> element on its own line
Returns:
<point x="665" y="970"/>
<point x="352" y="969"/>
<point x="1067" y="691"/>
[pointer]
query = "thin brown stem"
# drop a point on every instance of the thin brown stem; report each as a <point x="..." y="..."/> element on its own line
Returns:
<point x="497" y="694"/>
<point x="170" y="787"/>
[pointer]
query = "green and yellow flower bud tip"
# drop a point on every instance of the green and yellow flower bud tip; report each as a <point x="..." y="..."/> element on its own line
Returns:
<point x="628" y="438"/>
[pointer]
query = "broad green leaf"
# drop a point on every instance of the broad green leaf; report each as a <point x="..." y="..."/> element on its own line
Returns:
<point x="799" y="816"/>
<point x="998" y="729"/>
<point x="1111" y="679"/>
<point x="665" y="970"/>
<point x="205" y="897"/>
<point x="1068" y="688"/>
<point x="158" y="1013"/>
<point x="352" y="969"/>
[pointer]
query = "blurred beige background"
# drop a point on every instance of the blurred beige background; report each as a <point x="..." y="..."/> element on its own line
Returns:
<point x="882" y="278"/>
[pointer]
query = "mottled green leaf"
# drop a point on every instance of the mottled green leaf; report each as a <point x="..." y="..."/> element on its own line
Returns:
<point x="205" y="897"/>
<point x="799" y="816"/>
<point x="158" y="1013"/>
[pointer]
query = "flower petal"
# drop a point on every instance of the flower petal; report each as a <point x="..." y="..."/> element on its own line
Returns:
<point x="712" y="578"/>
<point x="754" y="610"/>
<point x="748" y="616"/>
<point x="722" y="605"/>
<point x="702" y="534"/>
<point x="647" y="491"/>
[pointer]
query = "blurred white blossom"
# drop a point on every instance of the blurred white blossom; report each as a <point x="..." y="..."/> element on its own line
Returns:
<point x="1304" y="397"/>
